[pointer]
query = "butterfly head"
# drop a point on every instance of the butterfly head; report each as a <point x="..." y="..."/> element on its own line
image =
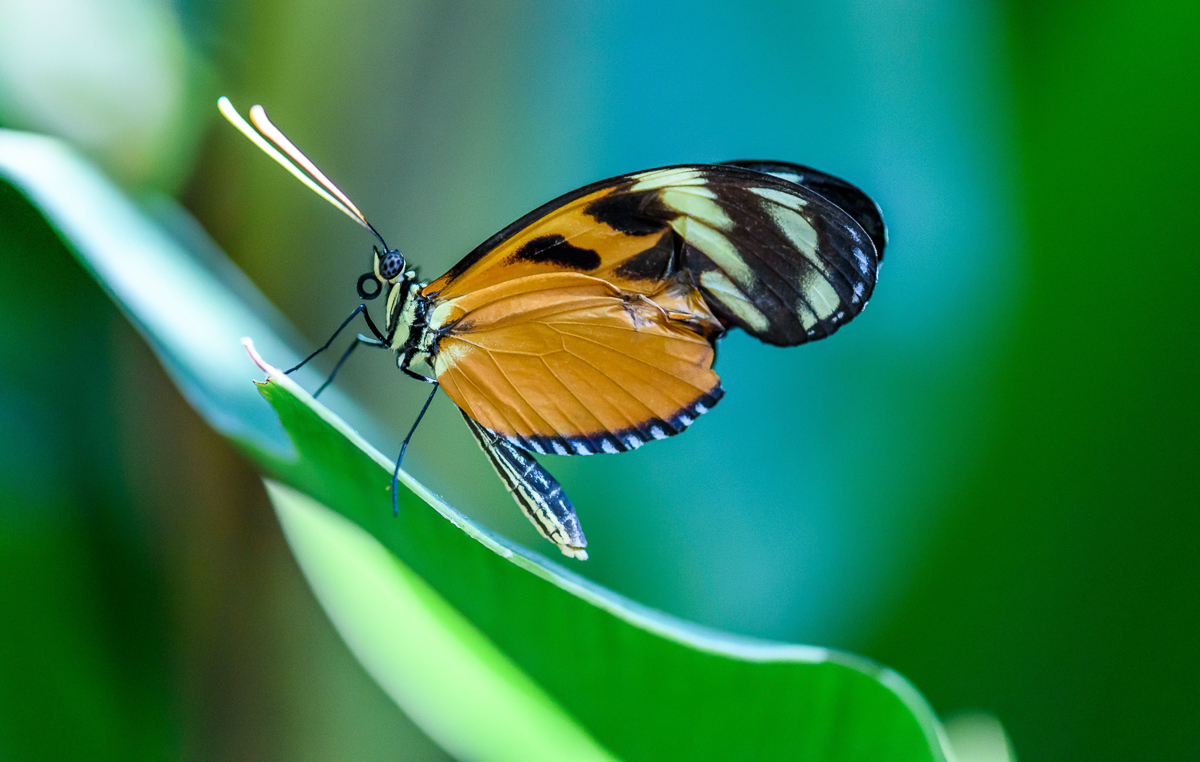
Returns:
<point x="386" y="267"/>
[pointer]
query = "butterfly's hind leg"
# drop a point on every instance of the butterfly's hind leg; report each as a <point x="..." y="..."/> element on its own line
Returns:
<point x="413" y="374"/>
<point x="403" y="447"/>
<point x="539" y="494"/>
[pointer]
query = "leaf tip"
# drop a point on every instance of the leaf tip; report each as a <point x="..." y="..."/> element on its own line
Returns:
<point x="267" y="368"/>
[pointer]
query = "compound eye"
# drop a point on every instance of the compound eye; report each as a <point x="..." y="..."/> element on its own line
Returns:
<point x="391" y="264"/>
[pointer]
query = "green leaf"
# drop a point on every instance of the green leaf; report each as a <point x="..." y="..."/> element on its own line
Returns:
<point x="498" y="652"/>
<point x="445" y="673"/>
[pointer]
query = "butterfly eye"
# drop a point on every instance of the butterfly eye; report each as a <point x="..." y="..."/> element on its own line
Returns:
<point x="391" y="264"/>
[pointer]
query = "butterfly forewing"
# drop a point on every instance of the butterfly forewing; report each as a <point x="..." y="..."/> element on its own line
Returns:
<point x="587" y="325"/>
<point x="770" y="256"/>
<point x="850" y="198"/>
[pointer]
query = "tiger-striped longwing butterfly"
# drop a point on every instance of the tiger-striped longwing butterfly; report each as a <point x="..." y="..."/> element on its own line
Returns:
<point x="590" y="324"/>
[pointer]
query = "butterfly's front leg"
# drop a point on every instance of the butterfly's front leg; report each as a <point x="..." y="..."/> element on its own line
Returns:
<point x="538" y="493"/>
<point x="413" y="374"/>
<point x="360" y="339"/>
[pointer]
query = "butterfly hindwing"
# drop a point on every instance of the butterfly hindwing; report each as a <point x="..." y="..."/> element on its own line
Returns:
<point x="568" y="364"/>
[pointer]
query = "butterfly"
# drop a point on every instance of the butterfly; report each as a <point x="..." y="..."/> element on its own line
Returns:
<point x="590" y="325"/>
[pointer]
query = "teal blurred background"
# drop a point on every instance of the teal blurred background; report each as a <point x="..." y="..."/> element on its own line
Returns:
<point x="982" y="483"/>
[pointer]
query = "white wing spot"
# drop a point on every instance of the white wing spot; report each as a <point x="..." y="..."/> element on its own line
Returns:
<point x="657" y="433"/>
<point x="633" y="441"/>
<point x="663" y="177"/>
<point x="858" y="292"/>
<point x="799" y="231"/>
<point x="716" y="247"/>
<point x="807" y="318"/>
<point x="580" y="448"/>
<point x="820" y="293"/>
<point x="794" y="203"/>
<point x="863" y="262"/>
<point x="697" y="203"/>
<point x="699" y="408"/>
<point x="685" y="420"/>
<point x="702" y="190"/>
<point x="558" y="447"/>
<point x="733" y="299"/>
<point x="607" y="446"/>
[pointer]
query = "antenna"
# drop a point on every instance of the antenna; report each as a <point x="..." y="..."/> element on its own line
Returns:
<point x="272" y="141"/>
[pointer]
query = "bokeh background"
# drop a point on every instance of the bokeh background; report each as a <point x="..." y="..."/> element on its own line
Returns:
<point x="987" y="482"/>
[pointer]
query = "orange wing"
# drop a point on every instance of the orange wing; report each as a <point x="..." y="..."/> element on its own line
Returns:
<point x="570" y="364"/>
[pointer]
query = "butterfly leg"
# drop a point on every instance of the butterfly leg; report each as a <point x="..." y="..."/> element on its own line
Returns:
<point x="349" y="350"/>
<point x="360" y="308"/>
<point x="418" y="376"/>
<point x="403" y="447"/>
<point x="538" y="494"/>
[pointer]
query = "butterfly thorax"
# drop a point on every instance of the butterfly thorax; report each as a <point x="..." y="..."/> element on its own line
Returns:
<point x="407" y="319"/>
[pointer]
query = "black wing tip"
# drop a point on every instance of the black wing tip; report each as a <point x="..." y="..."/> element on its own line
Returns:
<point x="624" y="440"/>
<point x="851" y="259"/>
<point x="843" y="194"/>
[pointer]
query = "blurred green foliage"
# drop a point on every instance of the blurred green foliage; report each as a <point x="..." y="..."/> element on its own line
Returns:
<point x="983" y="483"/>
<point x="1066" y="576"/>
<point x="85" y="640"/>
